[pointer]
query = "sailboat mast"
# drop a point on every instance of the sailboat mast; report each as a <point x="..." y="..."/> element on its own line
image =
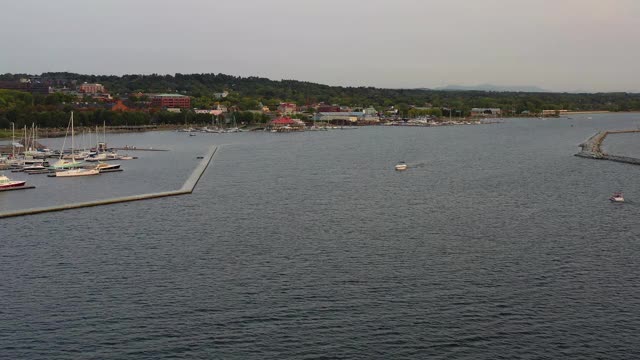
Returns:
<point x="72" y="140"/>
<point x="13" y="140"/>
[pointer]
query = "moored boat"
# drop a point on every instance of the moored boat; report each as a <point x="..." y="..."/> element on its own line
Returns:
<point x="6" y="183"/>
<point x="76" y="172"/>
<point x="104" y="166"/>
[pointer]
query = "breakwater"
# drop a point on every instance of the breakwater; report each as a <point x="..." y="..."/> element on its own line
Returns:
<point x="187" y="188"/>
<point x="592" y="148"/>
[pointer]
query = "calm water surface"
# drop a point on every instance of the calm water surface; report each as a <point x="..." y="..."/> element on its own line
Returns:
<point x="497" y="243"/>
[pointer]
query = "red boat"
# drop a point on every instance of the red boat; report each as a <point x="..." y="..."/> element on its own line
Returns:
<point x="5" y="182"/>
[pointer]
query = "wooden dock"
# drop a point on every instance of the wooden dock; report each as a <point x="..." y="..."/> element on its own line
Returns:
<point x="187" y="188"/>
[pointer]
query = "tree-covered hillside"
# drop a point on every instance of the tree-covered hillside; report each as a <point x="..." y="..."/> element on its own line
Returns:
<point x="246" y="92"/>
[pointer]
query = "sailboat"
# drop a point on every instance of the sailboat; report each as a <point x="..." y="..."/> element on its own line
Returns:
<point x="102" y="154"/>
<point x="73" y="167"/>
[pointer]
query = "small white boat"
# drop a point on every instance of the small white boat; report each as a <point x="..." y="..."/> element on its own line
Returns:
<point x="77" y="172"/>
<point x="6" y="183"/>
<point x="104" y="166"/>
<point x="617" y="197"/>
<point x="401" y="166"/>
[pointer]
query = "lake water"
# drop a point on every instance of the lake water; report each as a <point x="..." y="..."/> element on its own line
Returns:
<point x="496" y="243"/>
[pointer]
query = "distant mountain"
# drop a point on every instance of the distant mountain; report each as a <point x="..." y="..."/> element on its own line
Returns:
<point x="490" y="87"/>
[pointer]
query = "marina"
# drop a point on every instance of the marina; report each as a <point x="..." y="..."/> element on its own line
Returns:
<point x="186" y="188"/>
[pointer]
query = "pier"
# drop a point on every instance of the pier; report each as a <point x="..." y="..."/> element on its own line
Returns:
<point x="187" y="188"/>
<point x="592" y="148"/>
<point x="133" y="148"/>
<point x="19" y="188"/>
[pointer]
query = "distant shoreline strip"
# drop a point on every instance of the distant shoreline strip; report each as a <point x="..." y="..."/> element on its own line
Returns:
<point x="187" y="188"/>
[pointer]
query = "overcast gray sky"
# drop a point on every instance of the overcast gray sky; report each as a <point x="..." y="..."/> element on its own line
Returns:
<point x="560" y="45"/>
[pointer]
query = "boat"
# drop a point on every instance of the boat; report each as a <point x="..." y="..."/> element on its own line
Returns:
<point x="617" y="197"/>
<point x="34" y="168"/>
<point x="6" y="183"/>
<point x="76" y="172"/>
<point x="62" y="163"/>
<point x="401" y="166"/>
<point x="104" y="166"/>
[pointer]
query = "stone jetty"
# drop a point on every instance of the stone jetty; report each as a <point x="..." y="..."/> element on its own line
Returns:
<point x="592" y="148"/>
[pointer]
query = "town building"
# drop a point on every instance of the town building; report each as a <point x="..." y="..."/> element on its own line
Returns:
<point x="287" y="108"/>
<point x="170" y="101"/>
<point x="486" y="112"/>
<point x="119" y="106"/>
<point x="221" y="95"/>
<point x="91" y="88"/>
<point x="328" y="108"/>
<point x="208" y="112"/>
<point x="27" y="86"/>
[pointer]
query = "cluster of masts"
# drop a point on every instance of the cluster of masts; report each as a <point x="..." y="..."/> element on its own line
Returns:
<point x="69" y="164"/>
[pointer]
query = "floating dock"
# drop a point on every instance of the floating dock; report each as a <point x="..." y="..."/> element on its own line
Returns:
<point x="19" y="188"/>
<point x="187" y="188"/>
<point x="592" y="148"/>
<point x="133" y="148"/>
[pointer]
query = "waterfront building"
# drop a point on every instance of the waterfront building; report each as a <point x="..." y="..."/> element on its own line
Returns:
<point x="486" y="112"/>
<point x="339" y="116"/>
<point x="170" y="101"/>
<point x="284" y="124"/>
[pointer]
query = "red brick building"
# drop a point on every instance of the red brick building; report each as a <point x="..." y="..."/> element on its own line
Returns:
<point x="91" y="88"/>
<point x="170" y="101"/>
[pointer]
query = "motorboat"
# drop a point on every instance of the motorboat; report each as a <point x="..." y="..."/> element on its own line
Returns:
<point x="103" y="156"/>
<point x="401" y="166"/>
<point x="34" y="168"/>
<point x="617" y="197"/>
<point x="6" y="183"/>
<point x="104" y="166"/>
<point x="77" y="172"/>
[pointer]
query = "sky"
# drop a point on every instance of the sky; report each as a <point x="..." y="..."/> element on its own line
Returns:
<point x="558" y="45"/>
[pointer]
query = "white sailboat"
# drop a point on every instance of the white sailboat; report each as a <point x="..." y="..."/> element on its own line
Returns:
<point x="73" y="167"/>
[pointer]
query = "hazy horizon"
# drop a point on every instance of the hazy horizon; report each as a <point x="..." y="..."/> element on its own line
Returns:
<point x="561" y="45"/>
